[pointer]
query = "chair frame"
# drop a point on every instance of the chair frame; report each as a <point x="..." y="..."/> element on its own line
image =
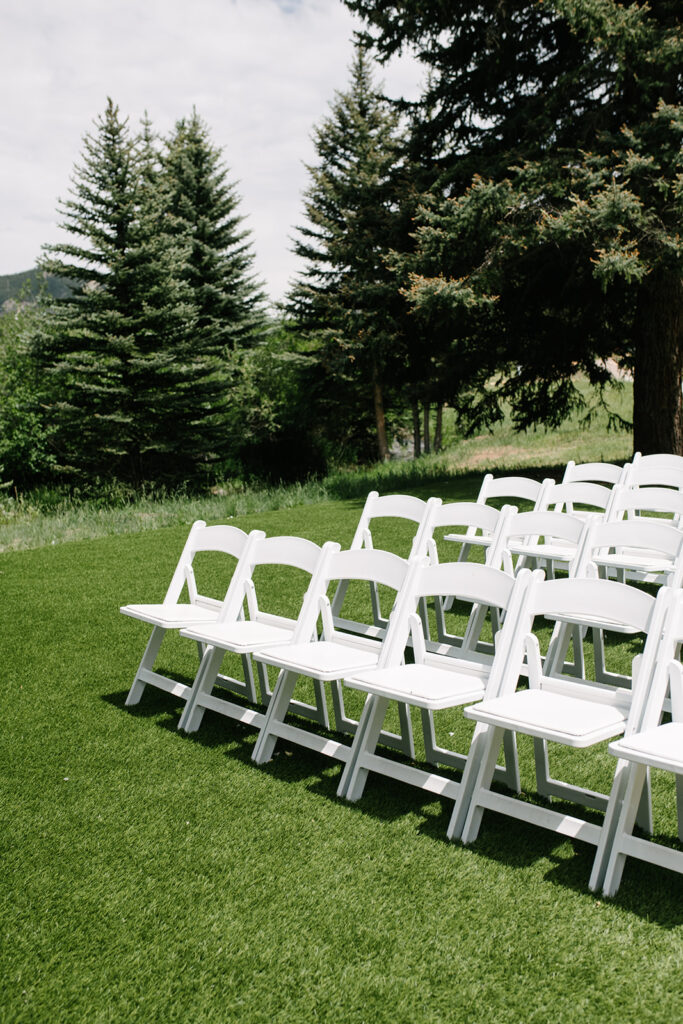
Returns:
<point x="478" y="584"/>
<point x="171" y="614"/>
<point x="370" y="565"/>
<point x="230" y="633"/>
<point x="562" y="600"/>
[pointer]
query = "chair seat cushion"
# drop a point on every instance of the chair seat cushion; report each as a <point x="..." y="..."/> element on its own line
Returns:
<point x="552" y="716"/>
<point x="242" y="636"/>
<point x="322" y="659"/>
<point x="421" y="685"/>
<point x="661" y="747"/>
<point x="561" y="551"/>
<point x="642" y="562"/>
<point x="174" y="616"/>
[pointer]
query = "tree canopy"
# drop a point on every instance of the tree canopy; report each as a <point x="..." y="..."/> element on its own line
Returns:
<point x="552" y="238"/>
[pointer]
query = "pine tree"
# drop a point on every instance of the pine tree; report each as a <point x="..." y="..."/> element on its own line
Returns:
<point x="139" y="379"/>
<point x="559" y="127"/>
<point x="347" y="296"/>
<point x="203" y="214"/>
<point x="90" y="341"/>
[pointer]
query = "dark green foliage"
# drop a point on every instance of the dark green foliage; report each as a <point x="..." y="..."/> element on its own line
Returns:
<point x="348" y="297"/>
<point x="558" y="129"/>
<point x="136" y="355"/>
<point x="25" y="431"/>
<point x="202" y="213"/>
<point x="274" y="414"/>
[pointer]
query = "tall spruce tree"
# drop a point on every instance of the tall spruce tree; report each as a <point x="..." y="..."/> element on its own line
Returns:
<point x="564" y="247"/>
<point x="347" y="296"/>
<point x="90" y="342"/>
<point x="203" y="214"/>
<point x="139" y="384"/>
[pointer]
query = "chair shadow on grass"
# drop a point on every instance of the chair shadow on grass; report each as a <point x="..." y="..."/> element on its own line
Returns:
<point x="646" y="891"/>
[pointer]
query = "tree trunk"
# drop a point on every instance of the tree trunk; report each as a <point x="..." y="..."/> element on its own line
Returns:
<point x="417" y="435"/>
<point x="425" y="432"/>
<point x="657" y="400"/>
<point x="438" y="429"/>
<point x="380" y="419"/>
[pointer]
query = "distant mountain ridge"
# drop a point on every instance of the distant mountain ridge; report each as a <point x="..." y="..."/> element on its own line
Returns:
<point x="30" y="283"/>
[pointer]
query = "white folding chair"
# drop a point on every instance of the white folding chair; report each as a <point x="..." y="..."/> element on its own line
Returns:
<point x="467" y="516"/>
<point x="627" y="549"/>
<point x="568" y="711"/>
<point x="175" y="614"/>
<point x="540" y="539"/>
<point x="387" y="506"/>
<point x="641" y="548"/>
<point x="247" y="633"/>
<point x="434" y="682"/>
<point x="659" y="503"/>
<point x="655" y="471"/>
<point x="509" y="489"/>
<point x="331" y="658"/>
<point x="595" y="472"/>
<point x="649" y="744"/>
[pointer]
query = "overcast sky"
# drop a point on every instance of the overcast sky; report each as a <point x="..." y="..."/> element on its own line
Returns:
<point x="260" y="72"/>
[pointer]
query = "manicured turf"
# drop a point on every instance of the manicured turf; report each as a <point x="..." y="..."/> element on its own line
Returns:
<point x="148" y="876"/>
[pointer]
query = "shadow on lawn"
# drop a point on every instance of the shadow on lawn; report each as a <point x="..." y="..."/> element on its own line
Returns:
<point x="646" y="891"/>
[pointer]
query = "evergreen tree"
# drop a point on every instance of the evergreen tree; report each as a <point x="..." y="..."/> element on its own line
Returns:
<point x="565" y="246"/>
<point x="203" y="213"/>
<point x="347" y="296"/>
<point x="139" y="379"/>
<point x="90" y="340"/>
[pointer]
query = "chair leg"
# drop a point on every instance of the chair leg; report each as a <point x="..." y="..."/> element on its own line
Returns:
<point x="542" y="766"/>
<point x="610" y="825"/>
<point x="146" y="664"/>
<point x="617" y="858"/>
<point x="478" y="774"/>
<point x="512" y="779"/>
<point x="204" y="681"/>
<point x="277" y="709"/>
<point x="354" y="777"/>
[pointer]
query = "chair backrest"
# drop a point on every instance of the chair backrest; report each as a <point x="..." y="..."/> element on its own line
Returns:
<point x="647" y="537"/>
<point x="467" y="516"/>
<point x="655" y="471"/>
<point x="229" y="540"/>
<point x="294" y="552"/>
<point x="647" y="709"/>
<point x="563" y="497"/>
<point x="532" y="528"/>
<point x="512" y="487"/>
<point x="370" y="565"/>
<point x="471" y="582"/>
<point x="634" y="501"/>
<point x="393" y="506"/>
<point x="590" y="601"/>
<point x="594" y="472"/>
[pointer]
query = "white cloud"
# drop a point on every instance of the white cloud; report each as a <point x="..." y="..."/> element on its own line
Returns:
<point x="260" y="73"/>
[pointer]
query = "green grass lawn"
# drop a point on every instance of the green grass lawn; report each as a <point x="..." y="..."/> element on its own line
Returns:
<point x="149" y="876"/>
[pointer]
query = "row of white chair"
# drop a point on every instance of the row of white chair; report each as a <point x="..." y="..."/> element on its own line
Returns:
<point x="239" y="625"/>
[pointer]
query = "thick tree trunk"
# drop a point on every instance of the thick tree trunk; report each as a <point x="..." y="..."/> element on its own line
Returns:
<point x="380" y="419"/>
<point x="425" y="430"/>
<point x="438" y="429"/>
<point x="417" y="434"/>
<point x="657" y="399"/>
